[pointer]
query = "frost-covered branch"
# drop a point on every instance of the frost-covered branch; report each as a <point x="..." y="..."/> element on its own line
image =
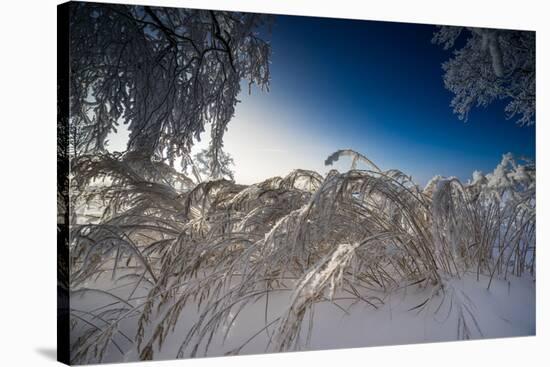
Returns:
<point x="165" y="72"/>
<point x="488" y="65"/>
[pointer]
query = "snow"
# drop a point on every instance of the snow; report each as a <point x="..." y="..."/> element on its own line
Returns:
<point x="463" y="309"/>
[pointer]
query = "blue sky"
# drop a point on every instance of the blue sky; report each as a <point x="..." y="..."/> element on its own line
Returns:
<point x="375" y="87"/>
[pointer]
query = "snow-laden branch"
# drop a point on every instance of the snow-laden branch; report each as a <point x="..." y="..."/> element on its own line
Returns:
<point x="488" y="65"/>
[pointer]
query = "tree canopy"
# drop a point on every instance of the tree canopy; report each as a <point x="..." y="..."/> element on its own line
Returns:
<point x="493" y="64"/>
<point x="165" y="72"/>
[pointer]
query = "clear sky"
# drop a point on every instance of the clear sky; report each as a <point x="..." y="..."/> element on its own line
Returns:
<point x="375" y="87"/>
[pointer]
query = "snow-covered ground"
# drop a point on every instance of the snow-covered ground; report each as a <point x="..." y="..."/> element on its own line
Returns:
<point x="465" y="310"/>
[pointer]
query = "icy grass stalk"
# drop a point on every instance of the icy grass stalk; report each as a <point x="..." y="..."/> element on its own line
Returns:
<point x="222" y="246"/>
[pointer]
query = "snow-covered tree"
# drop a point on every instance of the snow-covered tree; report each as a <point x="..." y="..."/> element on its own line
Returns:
<point x="489" y="65"/>
<point x="166" y="72"/>
<point x="211" y="168"/>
